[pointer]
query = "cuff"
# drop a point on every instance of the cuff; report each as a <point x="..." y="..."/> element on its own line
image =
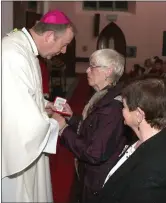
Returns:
<point x="61" y="131"/>
<point x="52" y="141"/>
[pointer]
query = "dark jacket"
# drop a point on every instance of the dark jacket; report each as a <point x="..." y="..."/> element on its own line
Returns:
<point x="100" y="142"/>
<point x="142" y="178"/>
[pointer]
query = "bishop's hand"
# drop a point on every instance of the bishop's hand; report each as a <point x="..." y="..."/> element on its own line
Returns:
<point x="50" y="108"/>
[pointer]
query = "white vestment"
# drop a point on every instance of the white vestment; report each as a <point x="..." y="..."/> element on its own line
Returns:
<point x="27" y="132"/>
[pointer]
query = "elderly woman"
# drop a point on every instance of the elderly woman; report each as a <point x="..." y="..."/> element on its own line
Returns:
<point x="140" y="174"/>
<point x="97" y="138"/>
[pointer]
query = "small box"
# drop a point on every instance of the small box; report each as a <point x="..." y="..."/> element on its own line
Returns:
<point x="58" y="102"/>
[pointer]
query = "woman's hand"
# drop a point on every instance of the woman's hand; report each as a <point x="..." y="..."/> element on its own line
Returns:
<point x="67" y="109"/>
<point x="60" y="119"/>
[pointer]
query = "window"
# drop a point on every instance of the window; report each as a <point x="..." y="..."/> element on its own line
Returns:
<point x="106" y="5"/>
<point x="90" y="5"/>
<point x="32" y="5"/>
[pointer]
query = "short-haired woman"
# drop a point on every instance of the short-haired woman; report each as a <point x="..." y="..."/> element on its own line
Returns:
<point x="140" y="174"/>
<point x="99" y="137"/>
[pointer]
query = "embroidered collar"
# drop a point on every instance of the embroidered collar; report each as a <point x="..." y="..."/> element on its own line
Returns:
<point x="31" y="41"/>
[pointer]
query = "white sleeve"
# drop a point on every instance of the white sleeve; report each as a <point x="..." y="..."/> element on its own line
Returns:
<point x="25" y="125"/>
<point x="52" y="141"/>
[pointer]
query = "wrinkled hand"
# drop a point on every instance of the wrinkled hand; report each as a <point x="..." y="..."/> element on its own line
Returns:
<point x="67" y="109"/>
<point x="50" y="108"/>
<point x="60" y="119"/>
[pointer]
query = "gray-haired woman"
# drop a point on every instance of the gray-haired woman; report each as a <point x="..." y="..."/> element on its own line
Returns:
<point x="98" y="138"/>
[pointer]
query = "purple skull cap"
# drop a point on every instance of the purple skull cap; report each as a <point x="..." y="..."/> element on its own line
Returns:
<point x="55" y="17"/>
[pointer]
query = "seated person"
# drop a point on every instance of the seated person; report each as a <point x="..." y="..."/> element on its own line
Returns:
<point x="97" y="137"/>
<point x="155" y="58"/>
<point x="157" y="69"/>
<point x="137" y="71"/>
<point x="148" y="65"/>
<point x="140" y="174"/>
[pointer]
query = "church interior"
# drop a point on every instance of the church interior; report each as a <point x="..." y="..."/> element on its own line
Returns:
<point x="136" y="29"/>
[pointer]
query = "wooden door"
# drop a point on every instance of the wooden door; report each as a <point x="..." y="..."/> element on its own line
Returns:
<point x="70" y="58"/>
<point x="31" y="18"/>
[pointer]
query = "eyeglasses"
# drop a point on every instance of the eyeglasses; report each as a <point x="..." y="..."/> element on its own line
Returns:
<point x="93" y="67"/>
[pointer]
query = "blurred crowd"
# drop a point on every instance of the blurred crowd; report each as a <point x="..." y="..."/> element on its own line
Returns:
<point x="154" y="65"/>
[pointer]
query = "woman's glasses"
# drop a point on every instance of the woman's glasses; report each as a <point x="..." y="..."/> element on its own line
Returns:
<point x="94" y="67"/>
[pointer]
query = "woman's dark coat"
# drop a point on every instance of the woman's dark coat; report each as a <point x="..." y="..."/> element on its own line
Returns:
<point x="100" y="142"/>
<point x="142" y="178"/>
